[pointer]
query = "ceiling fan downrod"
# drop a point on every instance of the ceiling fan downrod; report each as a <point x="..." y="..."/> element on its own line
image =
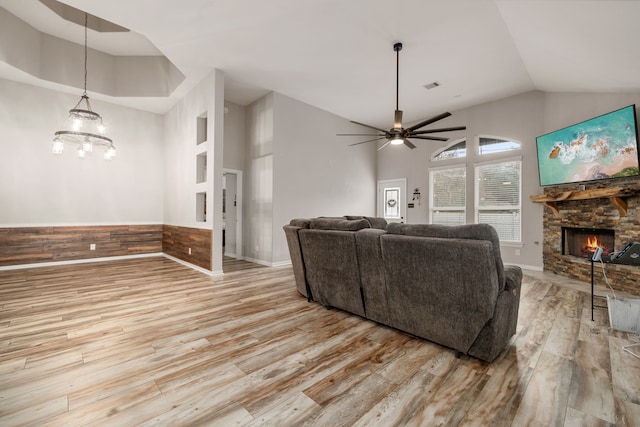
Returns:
<point x="397" y="118"/>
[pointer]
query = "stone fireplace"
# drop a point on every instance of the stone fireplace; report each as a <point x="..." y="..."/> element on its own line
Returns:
<point x="573" y="222"/>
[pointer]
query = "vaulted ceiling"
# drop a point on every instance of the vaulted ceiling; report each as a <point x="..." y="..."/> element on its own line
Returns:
<point x="338" y="55"/>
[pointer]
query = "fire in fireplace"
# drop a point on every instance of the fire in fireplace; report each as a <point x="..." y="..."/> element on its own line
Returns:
<point x="582" y="242"/>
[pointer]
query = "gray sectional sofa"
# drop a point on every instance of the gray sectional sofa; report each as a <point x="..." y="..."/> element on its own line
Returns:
<point x="446" y="284"/>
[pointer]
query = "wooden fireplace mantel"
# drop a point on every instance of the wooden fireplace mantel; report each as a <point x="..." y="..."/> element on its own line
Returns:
<point x="615" y="195"/>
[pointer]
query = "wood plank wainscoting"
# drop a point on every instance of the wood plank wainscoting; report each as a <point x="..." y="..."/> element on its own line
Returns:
<point x="176" y="242"/>
<point x="31" y="245"/>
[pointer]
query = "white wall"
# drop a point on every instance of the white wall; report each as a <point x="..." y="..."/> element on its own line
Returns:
<point x="258" y="197"/>
<point x="521" y="117"/>
<point x="565" y="109"/>
<point x="180" y="133"/>
<point x="57" y="60"/>
<point x="315" y="172"/>
<point x="234" y="136"/>
<point x="39" y="188"/>
<point x="181" y="149"/>
<point x="297" y="167"/>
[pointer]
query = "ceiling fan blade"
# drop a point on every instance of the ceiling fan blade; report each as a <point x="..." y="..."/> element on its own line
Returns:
<point x="357" y="134"/>
<point x="397" y="119"/>
<point x="429" y="121"/>
<point x="384" y="145"/>
<point x="369" y="140"/>
<point x="451" y="129"/>
<point x="370" y="127"/>
<point x="409" y="144"/>
<point x="431" y="138"/>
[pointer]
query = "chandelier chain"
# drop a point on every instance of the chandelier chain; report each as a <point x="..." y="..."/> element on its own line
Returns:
<point x="85" y="51"/>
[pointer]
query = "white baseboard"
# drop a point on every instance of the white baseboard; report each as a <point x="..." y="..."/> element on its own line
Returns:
<point x="268" y="264"/>
<point x="79" y="261"/>
<point x="195" y="267"/>
<point x="527" y="267"/>
<point x="258" y="261"/>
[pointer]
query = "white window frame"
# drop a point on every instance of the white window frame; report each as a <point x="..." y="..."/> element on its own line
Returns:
<point x="476" y="191"/>
<point x="459" y="165"/>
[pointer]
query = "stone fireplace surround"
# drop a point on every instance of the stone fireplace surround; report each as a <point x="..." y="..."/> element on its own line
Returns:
<point x="597" y="213"/>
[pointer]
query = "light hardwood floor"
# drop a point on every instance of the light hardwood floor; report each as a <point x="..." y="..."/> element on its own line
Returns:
<point x="152" y="342"/>
<point x="232" y="265"/>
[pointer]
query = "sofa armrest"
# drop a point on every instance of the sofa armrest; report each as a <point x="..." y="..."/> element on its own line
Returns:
<point x="496" y="334"/>
<point x="513" y="277"/>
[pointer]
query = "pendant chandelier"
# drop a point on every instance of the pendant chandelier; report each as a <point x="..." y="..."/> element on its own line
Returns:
<point x="84" y="127"/>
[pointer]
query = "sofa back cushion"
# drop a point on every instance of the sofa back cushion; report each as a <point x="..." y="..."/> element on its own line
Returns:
<point x="300" y="222"/>
<point x="339" y="224"/>
<point x="441" y="289"/>
<point x="374" y="222"/>
<point x="331" y="265"/>
<point x="374" y="289"/>
<point x="468" y="231"/>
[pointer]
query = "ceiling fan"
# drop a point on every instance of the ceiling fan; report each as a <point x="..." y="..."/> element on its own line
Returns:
<point x="397" y="134"/>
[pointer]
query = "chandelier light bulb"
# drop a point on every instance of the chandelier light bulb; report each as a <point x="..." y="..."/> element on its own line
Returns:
<point x="102" y="128"/>
<point x="57" y="146"/>
<point x="81" y="153"/>
<point x="110" y="153"/>
<point x="87" y="146"/>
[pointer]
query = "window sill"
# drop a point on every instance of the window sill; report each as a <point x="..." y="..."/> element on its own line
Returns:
<point x="512" y="244"/>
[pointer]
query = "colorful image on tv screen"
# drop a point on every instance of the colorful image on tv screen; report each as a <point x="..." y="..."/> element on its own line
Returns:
<point x="599" y="148"/>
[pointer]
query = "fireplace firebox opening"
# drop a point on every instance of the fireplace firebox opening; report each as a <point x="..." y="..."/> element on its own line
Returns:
<point x="582" y="242"/>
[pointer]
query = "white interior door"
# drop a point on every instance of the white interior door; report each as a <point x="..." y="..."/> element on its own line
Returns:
<point x="233" y="213"/>
<point x="392" y="199"/>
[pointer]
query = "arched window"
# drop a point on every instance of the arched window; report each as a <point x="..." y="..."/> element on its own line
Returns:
<point x="455" y="150"/>
<point x="494" y="144"/>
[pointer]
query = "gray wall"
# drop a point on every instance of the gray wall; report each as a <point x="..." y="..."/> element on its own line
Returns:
<point x="522" y="117"/>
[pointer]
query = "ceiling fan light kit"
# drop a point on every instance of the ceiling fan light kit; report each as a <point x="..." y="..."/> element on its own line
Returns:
<point x="399" y="135"/>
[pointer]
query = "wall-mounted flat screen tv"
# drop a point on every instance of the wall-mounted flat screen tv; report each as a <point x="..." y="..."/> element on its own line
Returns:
<point x="600" y="148"/>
